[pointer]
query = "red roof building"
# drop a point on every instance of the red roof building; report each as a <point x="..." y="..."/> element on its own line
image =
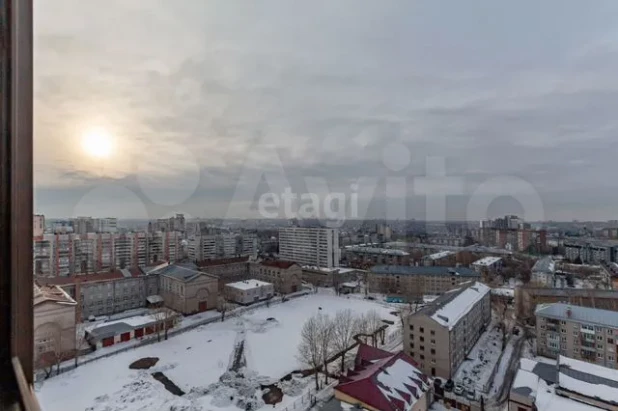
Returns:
<point x="383" y="381"/>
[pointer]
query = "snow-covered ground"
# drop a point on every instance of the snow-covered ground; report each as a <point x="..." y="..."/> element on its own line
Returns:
<point x="503" y="367"/>
<point x="476" y="371"/>
<point x="196" y="359"/>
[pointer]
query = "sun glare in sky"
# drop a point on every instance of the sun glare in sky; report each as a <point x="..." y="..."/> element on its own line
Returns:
<point x="97" y="143"/>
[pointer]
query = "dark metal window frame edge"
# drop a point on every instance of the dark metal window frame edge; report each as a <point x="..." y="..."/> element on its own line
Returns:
<point x="16" y="317"/>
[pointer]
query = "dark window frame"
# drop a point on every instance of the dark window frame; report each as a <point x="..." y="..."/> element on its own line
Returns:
<point x="16" y="193"/>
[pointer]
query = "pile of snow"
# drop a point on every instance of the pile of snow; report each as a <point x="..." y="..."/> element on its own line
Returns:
<point x="476" y="372"/>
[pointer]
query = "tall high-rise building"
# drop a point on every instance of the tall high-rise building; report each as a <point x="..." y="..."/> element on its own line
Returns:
<point x="38" y="225"/>
<point x="310" y="246"/>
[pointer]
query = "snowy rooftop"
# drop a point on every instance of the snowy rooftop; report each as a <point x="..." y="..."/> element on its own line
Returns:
<point x="375" y="250"/>
<point x="506" y="292"/>
<point x="424" y="270"/>
<point x="545" y="265"/>
<point x="336" y="270"/>
<point x="439" y="255"/>
<point x="248" y="284"/>
<point x="487" y="261"/>
<point x="110" y="328"/>
<point x="579" y="314"/>
<point x="451" y="307"/>
<point x="537" y="380"/>
<point x="588" y="379"/>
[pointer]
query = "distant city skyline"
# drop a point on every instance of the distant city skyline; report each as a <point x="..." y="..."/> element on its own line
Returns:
<point x="201" y="106"/>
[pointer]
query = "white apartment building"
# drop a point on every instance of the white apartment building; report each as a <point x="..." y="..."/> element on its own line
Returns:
<point x="215" y="246"/>
<point x="106" y="225"/>
<point x="38" y="225"/>
<point x="310" y="246"/>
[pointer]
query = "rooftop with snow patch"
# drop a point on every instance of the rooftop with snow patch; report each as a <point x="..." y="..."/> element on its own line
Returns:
<point x="440" y="255"/>
<point x="449" y="308"/>
<point x="383" y="380"/>
<point x="560" y="311"/>
<point x="423" y="270"/>
<point x="551" y="387"/>
<point x="375" y="250"/>
<point x="486" y="261"/>
<point x="248" y="284"/>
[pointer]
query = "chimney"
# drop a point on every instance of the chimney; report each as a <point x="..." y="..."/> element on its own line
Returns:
<point x="568" y="311"/>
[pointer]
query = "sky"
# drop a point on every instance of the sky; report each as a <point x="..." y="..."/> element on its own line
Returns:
<point x="423" y="109"/>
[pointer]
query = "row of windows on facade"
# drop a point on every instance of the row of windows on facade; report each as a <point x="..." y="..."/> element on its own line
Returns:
<point x="609" y="331"/>
<point x="576" y="341"/>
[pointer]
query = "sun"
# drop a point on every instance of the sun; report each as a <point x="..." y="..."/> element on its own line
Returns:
<point x="97" y="143"/>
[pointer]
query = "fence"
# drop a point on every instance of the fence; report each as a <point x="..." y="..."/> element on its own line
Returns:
<point x="311" y="397"/>
<point x="70" y="365"/>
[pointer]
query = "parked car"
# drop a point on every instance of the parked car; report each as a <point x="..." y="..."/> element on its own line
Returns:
<point x="458" y="390"/>
<point x="470" y="394"/>
<point x="449" y="385"/>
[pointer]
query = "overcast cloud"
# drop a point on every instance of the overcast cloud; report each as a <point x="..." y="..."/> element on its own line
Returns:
<point x="203" y="96"/>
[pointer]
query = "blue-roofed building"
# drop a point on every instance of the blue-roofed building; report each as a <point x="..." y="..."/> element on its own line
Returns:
<point x="412" y="282"/>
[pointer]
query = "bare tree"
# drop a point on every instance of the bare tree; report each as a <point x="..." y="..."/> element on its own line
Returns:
<point x="223" y="306"/>
<point x="46" y="362"/>
<point x="501" y="308"/>
<point x="374" y="323"/>
<point x="326" y="341"/>
<point x="310" y="345"/>
<point x="344" y="330"/>
<point x="164" y="318"/>
<point x="80" y="340"/>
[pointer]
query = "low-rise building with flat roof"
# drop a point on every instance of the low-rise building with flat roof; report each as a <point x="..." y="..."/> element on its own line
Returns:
<point x="286" y="276"/>
<point x="249" y="291"/>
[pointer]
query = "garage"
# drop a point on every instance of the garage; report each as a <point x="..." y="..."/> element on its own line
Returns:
<point x="125" y="337"/>
<point x="106" y="342"/>
<point x="202" y="306"/>
<point x="139" y="332"/>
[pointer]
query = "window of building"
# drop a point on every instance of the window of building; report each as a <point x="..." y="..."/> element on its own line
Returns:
<point x="610" y="340"/>
<point x="599" y="355"/>
<point x="600" y="337"/>
<point x="422" y="330"/>
<point x="422" y="347"/>
<point x="432" y="332"/>
<point x="411" y="328"/>
<point x="422" y="339"/>
<point x="411" y="346"/>
<point x="433" y="351"/>
<point x="563" y="322"/>
<point x="422" y="357"/>
<point x="433" y="342"/>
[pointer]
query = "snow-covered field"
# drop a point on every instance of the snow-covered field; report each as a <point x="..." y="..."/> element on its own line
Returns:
<point x="195" y="359"/>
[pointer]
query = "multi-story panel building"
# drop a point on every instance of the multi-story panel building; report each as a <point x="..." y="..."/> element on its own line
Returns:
<point x="216" y="246"/>
<point x="38" y="226"/>
<point x="64" y="255"/>
<point x="589" y="252"/>
<point x="310" y="246"/>
<point x="331" y="277"/>
<point x="106" y="225"/>
<point x="527" y="299"/>
<point x="107" y="293"/>
<point x="227" y="270"/>
<point x="439" y="336"/>
<point x="362" y="255"/>
<point x="583" y="333"/>
<point x="414" y="282"/>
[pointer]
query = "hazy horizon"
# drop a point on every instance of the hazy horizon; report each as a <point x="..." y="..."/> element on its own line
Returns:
<point x="146" y="109"/>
